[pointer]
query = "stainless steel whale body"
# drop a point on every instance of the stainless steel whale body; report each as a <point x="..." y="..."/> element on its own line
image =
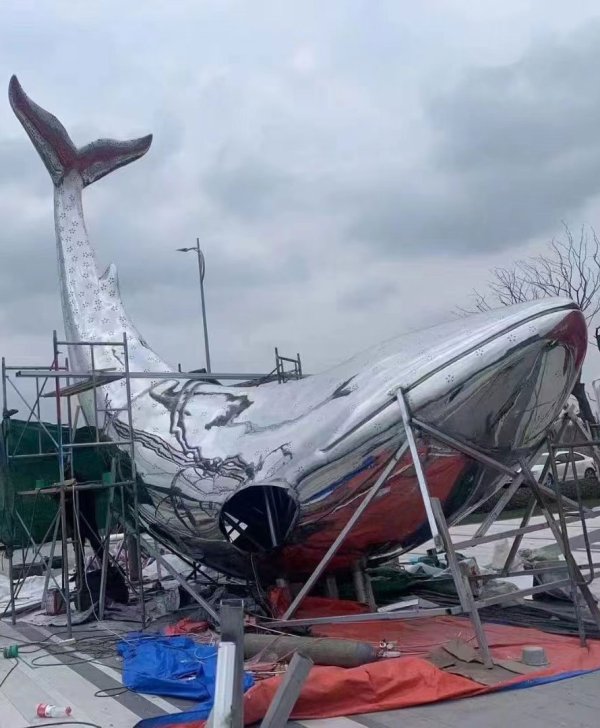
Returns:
<point x="266" y="476"/>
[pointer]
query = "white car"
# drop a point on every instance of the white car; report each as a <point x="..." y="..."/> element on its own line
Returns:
<point x="585" y="466"/>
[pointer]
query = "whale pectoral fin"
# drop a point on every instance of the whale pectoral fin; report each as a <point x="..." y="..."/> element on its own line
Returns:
<point x="58" y="152"/>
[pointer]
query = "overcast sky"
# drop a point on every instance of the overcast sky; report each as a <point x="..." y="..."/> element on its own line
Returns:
<point x="352" y="168"/>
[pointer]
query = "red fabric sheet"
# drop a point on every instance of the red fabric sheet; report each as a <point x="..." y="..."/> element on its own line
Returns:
<point x="411" y="680"/>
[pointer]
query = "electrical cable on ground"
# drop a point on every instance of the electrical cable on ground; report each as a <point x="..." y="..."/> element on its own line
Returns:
<point x="9" y="673"/>
<point x="65" y="722"/>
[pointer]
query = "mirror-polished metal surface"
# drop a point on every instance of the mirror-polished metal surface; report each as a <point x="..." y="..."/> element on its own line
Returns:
<point x="264" y="477"/>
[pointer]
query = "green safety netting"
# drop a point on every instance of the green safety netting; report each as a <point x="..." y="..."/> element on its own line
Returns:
<point x="24" y="473"/>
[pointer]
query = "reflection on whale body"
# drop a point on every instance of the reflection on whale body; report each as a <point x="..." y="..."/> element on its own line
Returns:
<point x="271" y="473"/>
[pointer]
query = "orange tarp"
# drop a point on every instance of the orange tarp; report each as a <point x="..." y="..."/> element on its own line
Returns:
<point x="410" y="680"/>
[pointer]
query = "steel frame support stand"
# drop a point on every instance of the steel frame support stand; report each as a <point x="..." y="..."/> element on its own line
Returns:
<point x="469" y="604"/>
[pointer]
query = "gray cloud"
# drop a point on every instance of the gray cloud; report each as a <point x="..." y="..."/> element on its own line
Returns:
<point x="517" y="150"/>
<point x="326" y="157"/>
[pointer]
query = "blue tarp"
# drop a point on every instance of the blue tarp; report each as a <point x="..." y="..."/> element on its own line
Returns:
<point x="175" y="667"/>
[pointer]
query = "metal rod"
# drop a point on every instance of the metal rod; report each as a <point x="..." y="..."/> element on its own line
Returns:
<point x="89" y="343"/>
<point x="288" y="692"/>
<point x="50" y="559"/>
<point x="101" y="443"/>
<point x="463" y="447"/>
<point x="370" y="617"/>
<point x="61" y="477"/>
<point x="136" y="515"/>
<point x="332" y="550"/>
<point x="567" y="546"/>
<point x="183" y="583"/>
<point x="202" y="271"/>
<point x="11" y="584"/>
<point x="516" y="544"/>
<point x="105" y="550"/>
<point x="231" y="615"/>
<point x="5" y="418"/>
<point x="462" y="583"/>
<point x="499" y="598"/>
<point x="515" y="532"/>
<point x="577" y="443"/>
<point x="52" y="374"/>
<point x="425" y="496"/>
<point x="499" y="506"/>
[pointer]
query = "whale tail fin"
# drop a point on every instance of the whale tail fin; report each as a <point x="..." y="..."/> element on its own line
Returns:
<point x="58" y="152"/>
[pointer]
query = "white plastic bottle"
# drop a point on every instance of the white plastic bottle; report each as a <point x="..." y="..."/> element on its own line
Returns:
<point x="53" y="711"/>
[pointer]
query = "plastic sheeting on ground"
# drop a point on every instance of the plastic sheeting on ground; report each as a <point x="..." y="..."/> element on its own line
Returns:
<point x="410" y="680"/>
<point x="174" y="667"/>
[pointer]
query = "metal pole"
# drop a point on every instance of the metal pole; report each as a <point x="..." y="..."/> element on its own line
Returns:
<point x="9" y="554"/>
<point x="183" y="583"/>
<point x="425" y="496"/>
<point x="331" y="552"/>
<point x="462" y="583"/>
<point x="48" y="573"/>
<point x="63" y="505"/>
<point x="202" y="271"/>
<point x="231" y="615"/>
<point x="4" y="413"/>
<point x="136" y="557"/>
<point x="288" y="692"/>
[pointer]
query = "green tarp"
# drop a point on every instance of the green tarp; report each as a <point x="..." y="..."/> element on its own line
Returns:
<point x="18" y="474"/>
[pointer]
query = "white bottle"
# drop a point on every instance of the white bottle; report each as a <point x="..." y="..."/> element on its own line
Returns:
<point x="53" y="711"/>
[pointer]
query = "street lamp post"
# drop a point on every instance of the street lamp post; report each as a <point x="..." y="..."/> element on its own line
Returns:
<point x="202" y="271"/>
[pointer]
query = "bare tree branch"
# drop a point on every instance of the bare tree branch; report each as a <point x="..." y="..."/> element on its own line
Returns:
<point x="570" y="268"/>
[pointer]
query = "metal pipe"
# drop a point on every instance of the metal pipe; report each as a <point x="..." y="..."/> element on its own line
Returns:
<point x="288" y="692"/>
<point x="200" y="376"/>
<point x="202" y="271"/>
<point x="463" y="447"/>
<point x="63" y="506"/>
<point x="231" y="615"/>
<point x="138" y="554"/>
<point x="50" y="559"/>
<point x="370" y="617"/>
<point x="11" y="584"/>
<point x="183" y="583"/>
<point x="515" y="532"/>
<point x="426" y="498"/>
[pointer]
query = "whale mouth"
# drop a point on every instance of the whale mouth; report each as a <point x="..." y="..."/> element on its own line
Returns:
<point x="259" y="518"/>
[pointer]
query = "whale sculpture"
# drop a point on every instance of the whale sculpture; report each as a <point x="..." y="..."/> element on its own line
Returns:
<point x="263" y="477"/>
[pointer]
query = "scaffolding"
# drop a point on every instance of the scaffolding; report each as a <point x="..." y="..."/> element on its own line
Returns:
<point x="62" y="384"/>
<point x="466" y="583"/>
<point x="293" y="372"/>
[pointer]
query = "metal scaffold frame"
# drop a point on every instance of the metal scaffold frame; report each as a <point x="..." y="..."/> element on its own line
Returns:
<point x="64" y="449"/>
<point x="469" y="602"/>
<point x="68" y="383"/>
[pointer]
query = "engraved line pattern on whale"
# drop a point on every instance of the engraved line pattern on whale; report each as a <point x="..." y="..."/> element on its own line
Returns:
<point x="216" y="461"/>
